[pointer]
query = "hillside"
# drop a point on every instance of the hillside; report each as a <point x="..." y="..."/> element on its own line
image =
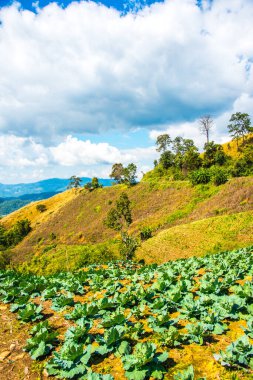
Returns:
<point x="9" y="205"/>
<point x="76" y="218"/>
<point x="235" y="151"/>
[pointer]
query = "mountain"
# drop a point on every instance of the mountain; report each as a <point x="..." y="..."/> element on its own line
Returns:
<point x="10" y="204"/>
<point x="52" y="185"/>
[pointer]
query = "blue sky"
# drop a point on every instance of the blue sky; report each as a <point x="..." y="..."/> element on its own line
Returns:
<point x="118" y="4"/>
<point x="86" y="84"/>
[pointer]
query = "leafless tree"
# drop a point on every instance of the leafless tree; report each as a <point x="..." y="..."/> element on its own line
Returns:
<point x="206" y="124"/>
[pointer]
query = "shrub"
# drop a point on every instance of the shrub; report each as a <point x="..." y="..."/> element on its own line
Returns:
<point x="52" y="236"/>
<point x="146" y="233"/>
<point x="219" y="176"/>
<point x="5" y="259"/>
<point x="18" y="232"/>
<point x="41" y="208"/>
<point x="200" y="176"/>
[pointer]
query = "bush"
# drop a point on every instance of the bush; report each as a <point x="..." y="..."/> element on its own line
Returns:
<point x="219" y="176"/>
<point x="128" y="246"/>
<point x="200" y="176"/>
<point x="5" y="259"/>
<point x="146" y="233"/>
<point x="18" y="232"/>
<point x="41" y="208"/>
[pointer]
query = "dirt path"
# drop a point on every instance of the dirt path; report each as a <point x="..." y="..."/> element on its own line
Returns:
<point x="15" y="364"/>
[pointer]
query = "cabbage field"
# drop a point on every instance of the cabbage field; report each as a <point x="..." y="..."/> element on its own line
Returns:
<point x="186" y="319"/>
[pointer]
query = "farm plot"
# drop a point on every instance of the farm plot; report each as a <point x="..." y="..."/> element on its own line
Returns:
<point x="186" y="319"/>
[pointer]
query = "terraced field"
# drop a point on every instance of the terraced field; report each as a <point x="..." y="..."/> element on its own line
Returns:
<point x="185" y="319"/>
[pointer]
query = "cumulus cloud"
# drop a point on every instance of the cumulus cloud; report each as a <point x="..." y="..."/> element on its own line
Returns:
<point x="74" y="152"/>
<point x="86" y="68"/>
<point x="23" y="159"/>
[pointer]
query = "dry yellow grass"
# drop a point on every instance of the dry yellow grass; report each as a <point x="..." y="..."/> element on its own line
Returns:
<point x="76" y="218"/>
<point x="231" y="148"/>
<point x="53" y="205"/>
<point x="221" y="233"/>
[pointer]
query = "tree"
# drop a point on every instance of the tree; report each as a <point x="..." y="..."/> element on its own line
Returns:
<point x="130" y="174"/>
<point x="214" y="154"/>
<point x="41" y="207"/>
<point x="122" y="174"/>
<point x="206" y="124"/>
<point x="239" y="126"/>
<point x="94" y="184"/>
<point x="75" y="182"/>
<point x="191" y="159"/>
<point x="167" y="159"/>
<point x="163" y="142"/>
<point x="119" y="219"/>
<point x="117" y="172"/>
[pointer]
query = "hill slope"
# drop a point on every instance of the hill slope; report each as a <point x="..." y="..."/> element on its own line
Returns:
<point x="76" y="218"/>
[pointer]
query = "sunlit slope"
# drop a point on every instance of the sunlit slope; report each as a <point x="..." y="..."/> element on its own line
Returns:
<point x="234" y="149"/>
<point x="53" y="205"/>
<point x="198" y="238"/>
<point x="76" y="218"/>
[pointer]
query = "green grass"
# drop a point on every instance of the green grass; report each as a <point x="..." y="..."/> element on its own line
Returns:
<point x="198" y="238"/>
<point x="56" y="258"/>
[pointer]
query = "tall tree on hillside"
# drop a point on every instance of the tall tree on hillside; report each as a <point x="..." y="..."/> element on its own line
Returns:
<point x="130" y="174"/>
<point x="117" y="172"/>
<point x="213" y="154"/>
<point x="206" y="124"/>
<point x="94" y="184"/>
<point x="74" y="182"/>
<point x="119" y="219"/>
<point x="239" y="126"/>
<point x="122" y="174"/>
<point x="163" y="142"/>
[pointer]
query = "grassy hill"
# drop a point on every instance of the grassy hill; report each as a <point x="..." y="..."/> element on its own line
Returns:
<point x="211" y="235"/>
<point x="74" y="220"/>
<point x="235" y="151"/>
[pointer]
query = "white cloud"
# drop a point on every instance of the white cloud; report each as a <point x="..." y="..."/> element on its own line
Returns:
<point x="74" y="152"/>
<point x="22" y="159"/>
<point x="20" y="152"/>
<point x="88" y="69"/>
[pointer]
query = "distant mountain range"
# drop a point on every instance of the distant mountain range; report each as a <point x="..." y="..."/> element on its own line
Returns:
<point x="13" y="197"/>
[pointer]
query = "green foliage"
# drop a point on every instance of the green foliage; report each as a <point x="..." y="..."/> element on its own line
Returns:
<point x="238" y="353"/>
<point x="120" y="216"/>
<point x="163" y="142"/>
<point x="70" y="362"/>
<point x="122" y="174"/>
<point x="128" y="245"/>
<point x="144" y="362"/>
<point x="30" y="313"/>
<point x="219" y="176"/>
<point x="13" y="236"/>
<point x="239" y="125"/>
<point x="213" y="155"/>
<point x="146" y="233"/>
<point x="94" y="184"/>
<point x="119" y="219"/>
<point x="43" y="340"/>
<point x="200" y="176"/>
<point x="208" y="299"/>
<point x="187" y="374"/>
<point x="5" y="259"/>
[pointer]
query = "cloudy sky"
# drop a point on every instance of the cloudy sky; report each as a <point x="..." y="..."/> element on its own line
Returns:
<point x="86" y="84"/>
